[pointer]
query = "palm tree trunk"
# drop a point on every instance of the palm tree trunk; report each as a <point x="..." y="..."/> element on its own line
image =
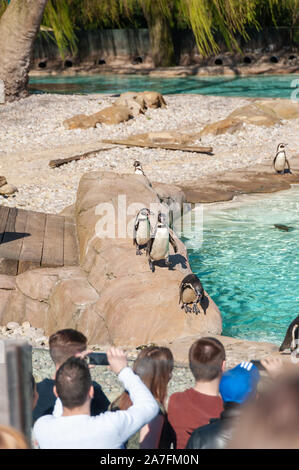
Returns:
<point x="162" y="49"/>
<point x="18" y="28"/>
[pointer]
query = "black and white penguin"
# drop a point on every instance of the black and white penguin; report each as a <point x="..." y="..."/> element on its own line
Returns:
<point x="292" y="336"/>
<point x="142" y="230"/>
<point x="280" y="160"/>
<point x="158" y="245"/>
<point x="139" y="171"/>
<point x="191" y="292"/>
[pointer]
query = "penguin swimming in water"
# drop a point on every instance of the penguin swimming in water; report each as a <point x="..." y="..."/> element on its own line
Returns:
<point x="291" y="337"/>
<point x="158" y="245"/>
<point x="191" y="292"/>
<point x="280" y="160"/>
<point x="142" y="230"/>
<point x="139" y="171"/>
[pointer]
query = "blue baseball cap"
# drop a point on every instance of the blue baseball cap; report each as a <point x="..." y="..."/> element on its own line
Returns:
<point x="239" y="383"/>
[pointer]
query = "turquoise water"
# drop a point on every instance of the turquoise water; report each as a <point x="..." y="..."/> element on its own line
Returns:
<point x="257" y="86"/>
<point x="250" y="268"/>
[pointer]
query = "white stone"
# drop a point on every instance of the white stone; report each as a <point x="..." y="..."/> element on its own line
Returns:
<point x="12" y="325"/>
<point x="26" y="325"/>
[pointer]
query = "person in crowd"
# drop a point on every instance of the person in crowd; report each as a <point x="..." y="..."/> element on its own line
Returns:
<point x="76" y="429"/>
<point x="272" y="420"/>
<point x="237" y="385"/>
<point x="154" y="366"/>
<point x="197" y="405"/>
<point x="64" y="344"/>
<point x="10" y="438"/>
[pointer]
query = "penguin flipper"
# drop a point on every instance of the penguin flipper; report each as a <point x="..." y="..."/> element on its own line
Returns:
<point x="173" y="243"/>
<point x="149" y="246"/>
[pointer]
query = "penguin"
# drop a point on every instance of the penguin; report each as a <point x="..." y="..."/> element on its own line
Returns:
<point x="280" y="161"/>
<point x="158" y="245"/>
<point x="191" y="292"/>
<point x="142" y="230"/>
<point x="139" y="171"/>
<point x="291" y="337"/>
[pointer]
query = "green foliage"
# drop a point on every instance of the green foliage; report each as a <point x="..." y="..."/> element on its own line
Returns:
<point x="3" y="5"/>
<point x="57" y="17"/>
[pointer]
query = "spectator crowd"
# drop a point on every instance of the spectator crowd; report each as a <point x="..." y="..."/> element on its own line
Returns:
<point x="223" y="409"/>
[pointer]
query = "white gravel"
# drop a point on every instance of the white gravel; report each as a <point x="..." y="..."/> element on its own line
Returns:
<point x="31" y="134"/>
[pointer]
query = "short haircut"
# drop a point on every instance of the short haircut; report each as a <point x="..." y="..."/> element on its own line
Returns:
<point x="73" y="382"/>
<point x="206" y="358"/>
<point x="66" y="343"/>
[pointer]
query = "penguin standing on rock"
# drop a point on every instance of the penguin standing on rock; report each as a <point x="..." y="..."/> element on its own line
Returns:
<point x="280" y="160"/>
<point x="291" y="339"/>
<point x="139" y="171"/>
<point x="191" y="292"/>
<point x="158" y="246"/>
<point x="142" y="230"/>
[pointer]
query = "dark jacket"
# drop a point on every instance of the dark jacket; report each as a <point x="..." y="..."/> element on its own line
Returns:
<point x="47" y="399"/>
<point x="216" y="434"/>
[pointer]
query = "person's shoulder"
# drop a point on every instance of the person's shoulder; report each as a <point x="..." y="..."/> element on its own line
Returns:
<point x="177" y="396"/>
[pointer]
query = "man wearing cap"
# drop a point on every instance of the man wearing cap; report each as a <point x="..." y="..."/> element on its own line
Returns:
<point x="237" y="385"/>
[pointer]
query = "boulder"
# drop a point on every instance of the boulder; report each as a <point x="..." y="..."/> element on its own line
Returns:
<point x="8" y="190"/>
<point x="153" y="99"/>
<point x="136" y="305"/>
<point x="131" y="96"/>
<point x="258" y="113"/>
<point x="112" y="297"/>
<point x="2" y="181"/>
<point x="113" y="115"/>
<point x="80" y="121"/>
<point x="221" y="127"/>
<point x="110" y="115"/>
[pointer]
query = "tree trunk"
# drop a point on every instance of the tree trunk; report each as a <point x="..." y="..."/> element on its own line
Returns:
<point x="162" y="50"/>
<point x="18" y="28"/>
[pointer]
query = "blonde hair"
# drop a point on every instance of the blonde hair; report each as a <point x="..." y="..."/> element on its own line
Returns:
<point x="11" y="438"/>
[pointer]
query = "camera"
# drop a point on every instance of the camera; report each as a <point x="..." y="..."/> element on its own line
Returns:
<point x="98" y="359"/>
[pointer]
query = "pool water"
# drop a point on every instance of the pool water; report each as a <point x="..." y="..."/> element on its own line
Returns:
<point x="279" y="86"/>
<point x="249" y="267"/>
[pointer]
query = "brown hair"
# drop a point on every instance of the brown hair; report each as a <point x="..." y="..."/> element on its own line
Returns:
<point x="154" y="366"/>
<point x="10" y="438"/>
<point x="73" y="382"/>
<point x="206" y="358"/>
<point x="66" y="343"/>
<point x="272" y="420"/>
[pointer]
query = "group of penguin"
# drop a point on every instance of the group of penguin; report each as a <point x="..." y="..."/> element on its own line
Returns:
<point x="191" y="292"/>
<point x="156" y="244"/>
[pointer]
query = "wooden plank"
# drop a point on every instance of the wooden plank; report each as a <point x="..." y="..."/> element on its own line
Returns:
<point x="4" y="211"/>
<point x="53" y="241"/>
<point x="71" y="252"/>
<point x="31" y="252"/>
<point x="62" y="161"/>
<point x="12" y="242"/>
<point x="182" y="148"/>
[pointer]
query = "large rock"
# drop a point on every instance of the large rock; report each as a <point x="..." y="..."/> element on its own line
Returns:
<point x="137" y="306"/>
<point x="113" y="115"/>
<point x="112" y="297"/>
<point x="110" y="115"/>
<point x="258" y="113"/>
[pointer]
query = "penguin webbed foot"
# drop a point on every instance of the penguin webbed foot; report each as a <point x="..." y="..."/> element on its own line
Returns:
<point x="168" y="264"/>
<point x="138" y="251"/>
<point x="151" y="265"/>
<point x="195" y="308"/>
<point x="187" y="309"/>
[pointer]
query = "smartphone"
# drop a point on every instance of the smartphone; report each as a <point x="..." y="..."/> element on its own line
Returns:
<point x="98" y="359"/>
<point x="258" y="364"/>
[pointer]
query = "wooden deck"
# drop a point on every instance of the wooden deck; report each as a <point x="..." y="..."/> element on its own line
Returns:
<point x="31" y="240"/>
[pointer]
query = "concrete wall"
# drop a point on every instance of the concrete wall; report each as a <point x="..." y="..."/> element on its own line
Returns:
<point x="111" y="44"/>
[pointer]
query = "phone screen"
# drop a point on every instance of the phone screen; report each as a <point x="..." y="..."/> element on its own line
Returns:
<point x="98" y="359"/>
